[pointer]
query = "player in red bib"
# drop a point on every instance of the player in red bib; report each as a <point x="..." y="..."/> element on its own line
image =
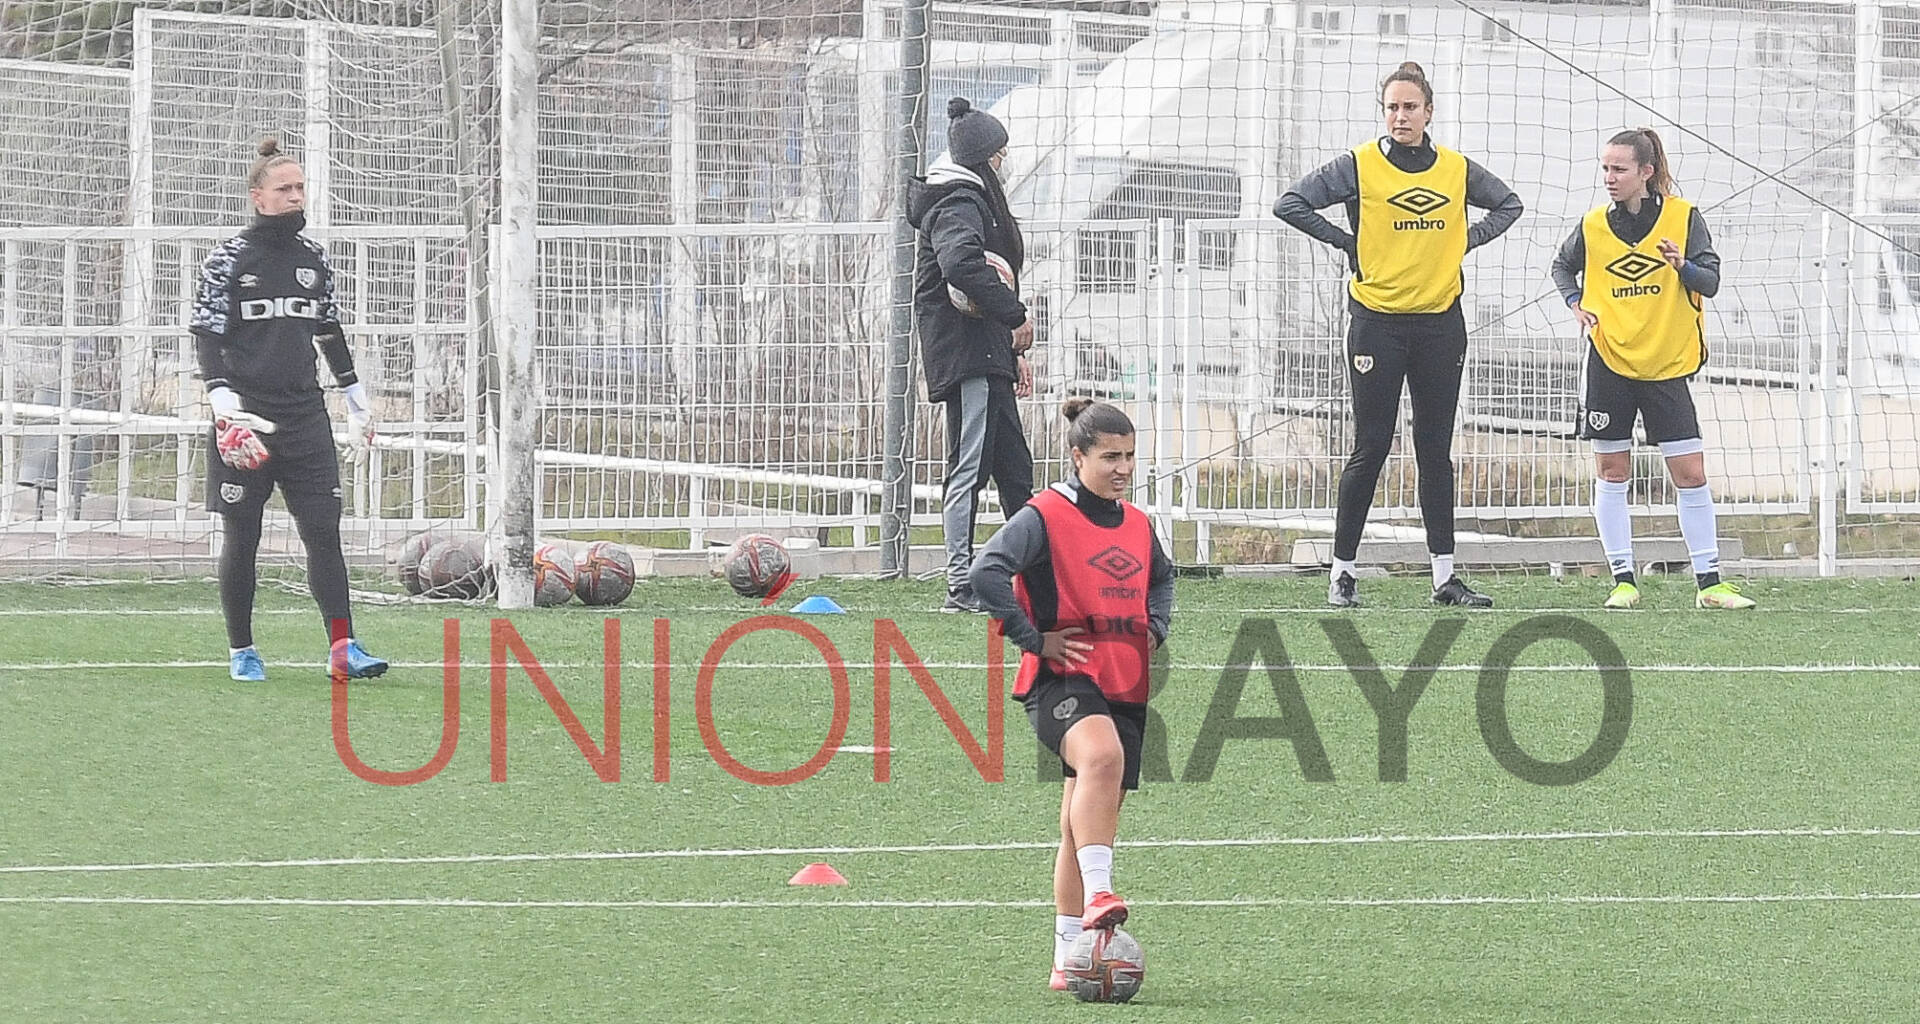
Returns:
<point x="1084" y="589"/>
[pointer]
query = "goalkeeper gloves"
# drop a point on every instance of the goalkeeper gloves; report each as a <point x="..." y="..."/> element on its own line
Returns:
<point x="234" y="438"/>
<point x="359" y="416"/>
<point x="360" y="419"/>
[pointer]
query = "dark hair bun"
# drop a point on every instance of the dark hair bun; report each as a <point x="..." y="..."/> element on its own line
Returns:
<point x="1412" y="68"/>
<point x="269" y="147"/>
<point x="1071" y="409"/>
<point x="957" y="106"/>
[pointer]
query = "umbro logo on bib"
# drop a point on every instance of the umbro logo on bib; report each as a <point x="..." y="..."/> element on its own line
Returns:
<point x="1634" y="266"/>
<point x="1117" y="563"/>
<point x="1418" y="200"/>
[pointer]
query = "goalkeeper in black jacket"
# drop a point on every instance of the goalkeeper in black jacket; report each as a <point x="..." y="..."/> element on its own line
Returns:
<point x="265" y="302"/>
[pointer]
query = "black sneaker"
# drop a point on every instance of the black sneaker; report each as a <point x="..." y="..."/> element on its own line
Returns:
<point x="961" y="602"/>
<point x="1456" y="592"/>
<point x="1344" y="591"/>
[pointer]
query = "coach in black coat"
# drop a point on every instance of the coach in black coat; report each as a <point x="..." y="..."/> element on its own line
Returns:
<point x="971" y="355"/>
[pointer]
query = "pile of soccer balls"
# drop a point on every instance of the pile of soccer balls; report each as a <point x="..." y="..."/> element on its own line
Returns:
<point x="454" y="565"/>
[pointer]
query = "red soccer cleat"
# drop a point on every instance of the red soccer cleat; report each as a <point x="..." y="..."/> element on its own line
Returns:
<point x="1104" y="910"/>
<point x="1058" y="982"/>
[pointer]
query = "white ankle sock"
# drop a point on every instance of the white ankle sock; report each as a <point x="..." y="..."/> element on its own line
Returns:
<point x="1442" y="569"/>
<point x="1344" y="566"/>
<point x="1096" y="869"/>
<point x="1066" y="928"/>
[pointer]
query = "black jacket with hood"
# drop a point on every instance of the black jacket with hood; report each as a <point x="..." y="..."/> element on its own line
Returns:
<point x="951" y="209"/>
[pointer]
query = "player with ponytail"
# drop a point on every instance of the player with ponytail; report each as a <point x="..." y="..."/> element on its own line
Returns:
<point x="1084" y="589"/>
<point x="1637" y="272"/>
<point x="266" y="301"/>
<point x="1406" y="201"/>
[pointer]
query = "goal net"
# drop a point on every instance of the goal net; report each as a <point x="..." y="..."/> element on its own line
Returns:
<point x="717" y="191"/>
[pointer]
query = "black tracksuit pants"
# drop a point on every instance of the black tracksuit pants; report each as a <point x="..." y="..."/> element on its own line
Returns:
<point x="1428" y="352"/>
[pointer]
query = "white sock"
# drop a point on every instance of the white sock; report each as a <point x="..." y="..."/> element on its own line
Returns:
<point x="1066" y="928"/>
<point x="1343" y="566"/>
<point x="1696" y="525"/>
<point x="1096" y="869"/>
<point x="231" y="651"/>
<point x="1442" y="569"/>
<point x="1616" y="527"/>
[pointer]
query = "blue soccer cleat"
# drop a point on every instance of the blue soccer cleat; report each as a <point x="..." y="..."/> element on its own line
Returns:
<point x="350" y="660"/>
<point x="245" y="666"/>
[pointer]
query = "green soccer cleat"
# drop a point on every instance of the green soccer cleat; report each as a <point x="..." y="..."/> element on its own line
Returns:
<point x="1724" y="596"/>
<point x="1623" y="595"/>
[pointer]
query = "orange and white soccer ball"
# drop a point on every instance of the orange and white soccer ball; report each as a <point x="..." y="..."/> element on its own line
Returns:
<point x="553" y="573"/>
<point x="603" y="573"/>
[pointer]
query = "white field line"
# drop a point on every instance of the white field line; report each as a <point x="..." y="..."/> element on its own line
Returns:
<point x="1230" y="903"/>
<point x="478" y="611"/>
<point x="835" y="851"/>
<point x="898" y="666"/>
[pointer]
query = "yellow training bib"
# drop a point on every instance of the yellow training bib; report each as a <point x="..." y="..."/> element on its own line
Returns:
<point x="1651" y="326"/>
<point x="1412" y="234"/>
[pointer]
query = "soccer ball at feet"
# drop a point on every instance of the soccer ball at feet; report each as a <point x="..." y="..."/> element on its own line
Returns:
<point x="1104" y="965"/>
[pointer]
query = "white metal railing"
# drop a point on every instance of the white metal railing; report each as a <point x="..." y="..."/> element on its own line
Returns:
<point x="1162" y="323"/>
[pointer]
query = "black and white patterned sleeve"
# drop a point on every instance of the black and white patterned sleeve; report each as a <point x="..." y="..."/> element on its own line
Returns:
<point x="214" y="300"/>
<point x="328" y="311"/>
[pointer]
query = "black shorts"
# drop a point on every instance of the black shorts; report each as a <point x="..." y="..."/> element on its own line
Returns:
<point x="301" y="461"/>
<point x="1055" y="704"/>
<point x="1609" y="402"/>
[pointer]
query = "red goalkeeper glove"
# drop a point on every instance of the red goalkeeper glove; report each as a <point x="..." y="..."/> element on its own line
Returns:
<point x="234" y="430"/>
<point x="239" y="446"/>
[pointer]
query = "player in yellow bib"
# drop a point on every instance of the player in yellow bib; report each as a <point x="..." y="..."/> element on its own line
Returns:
<point x="1637" y="272"/>
<point x="1406" y="201"/>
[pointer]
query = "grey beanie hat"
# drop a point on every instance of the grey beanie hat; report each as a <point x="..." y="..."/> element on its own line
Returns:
<point x="972" y="135"/>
